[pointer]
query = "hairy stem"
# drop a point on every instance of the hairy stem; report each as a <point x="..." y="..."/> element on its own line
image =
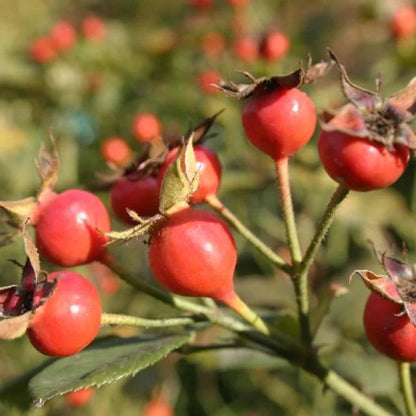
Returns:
<point x="217" y="205"/>
<point x="112" y="319"/>
<point x="337" y="197"/>
<point x="300" y="281"/>
<point x="406" y="388"/>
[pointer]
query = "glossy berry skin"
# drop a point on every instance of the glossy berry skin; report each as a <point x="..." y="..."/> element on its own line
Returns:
<point x="274" y="46"/>
<point x="69" y="319"/>
<point x="207" y="78"/>
<point x="280" y="121"/>
<point x="79" y="398"/>
<point x="246" y="49"/>
<point x="64" y="35"/>
<point x="359" y="164"/>
<point x="140" y="195"/>
<point x="43" y="50"/>
<point x="69" y="228"/>
<point x="389" y="330"/>
<point x="403" y="23"/>
<point x="146" y="126"/>
<point x="116" y="150"/>
<point x="209" y="169"/>
<point x="194" y="254"/>
<point x="93" y="28"/>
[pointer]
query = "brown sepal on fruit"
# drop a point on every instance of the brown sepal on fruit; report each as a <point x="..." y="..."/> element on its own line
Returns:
<point x="17" y="303"/>
<point x="297" y="78"/>
<point x="370" y="116"/>
<point x="399" y="285"/>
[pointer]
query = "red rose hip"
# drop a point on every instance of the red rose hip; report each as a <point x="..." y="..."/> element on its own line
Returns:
<point x="140" y="195"/>
<point x="358" y="163"/>
<point x="69" y="319"/>
<point x="146" y="126"/>
<point x="70" y="227"/>
<point x="279" y="121"/>
<point x="194" y="254"/>
<point x="389" y="329"/>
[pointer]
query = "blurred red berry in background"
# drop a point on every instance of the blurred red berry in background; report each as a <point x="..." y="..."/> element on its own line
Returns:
<point x="403" y="22"/>
<point x="64" y="35"/>
<point x="274" y="46"/>
<point x="201" y="5"/>
<point x="43" y="49"/>
<point x="205" y="80"/>
<point x="94" y="28"/>
<point x="246" y="49"/>
<point x="213" y="44"/>
<point x="80" y="397"/>
<point x="116" y="150"/>
<point x="146" y="126"/>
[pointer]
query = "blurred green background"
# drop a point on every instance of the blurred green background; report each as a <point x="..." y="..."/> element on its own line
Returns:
<point x="149" y="62"/>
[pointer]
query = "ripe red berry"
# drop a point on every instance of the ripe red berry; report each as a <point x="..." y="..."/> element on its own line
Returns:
<point x="213" y="44"/>
<point x="389" y="329"/>
<point x="69" y="319"/>
<point x="146" y="126"/>
<point x="403" y="23"/>
<point x="158" y="407"/>
<point x="43" y="49"/>
<point x="246" y="49"/>
<point x="279" y="121"/>
<point x="70" y="227"/>
<point x="358" y="163"/>
<point x="274" y="46"/>
<point x="116" y="150"/>
<point x="80" y="397"/>
<point x="64" y="35"/>
<point x="93" y="28"/>
<point x="201" y="5"/>
<point x="140" y="195"/>
<point x="194" y="254"/>
<point x="209" y="169"/>
<point x="206" y="80"/>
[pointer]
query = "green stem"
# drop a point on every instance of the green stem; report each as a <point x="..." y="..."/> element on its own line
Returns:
<point x="337" y="197"/>
<point x="406" y="388"/>
<point x="248" y="314"/>
<point x="111" y="319"/>
<point x="282" y="172"/>
<point x="299" y="279"/>
<point x="218" y="206"/>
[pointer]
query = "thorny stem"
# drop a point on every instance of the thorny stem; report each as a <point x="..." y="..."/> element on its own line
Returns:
<point x="406" y="388"/>
<point x="300" y="281"/>
<point x="278" y="344"/>
<point x="218" y="206"/>
<point x="337" y="197"/>
<point x="112" y="319"/>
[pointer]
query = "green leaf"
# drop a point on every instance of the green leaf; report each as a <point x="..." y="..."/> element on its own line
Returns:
<point x="104" y="362"/>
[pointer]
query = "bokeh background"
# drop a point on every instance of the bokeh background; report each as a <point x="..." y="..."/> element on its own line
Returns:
<point x="151" y="59"/>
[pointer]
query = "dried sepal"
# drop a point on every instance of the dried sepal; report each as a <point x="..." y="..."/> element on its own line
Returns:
<point x="12" y="328"/>
<point x="180" y="181"/>
<point x="47" y="165"/>
<point x="385" y="120"/>
<point x="199" y="133"/>
<point x="404" y="101"/>
<point x="314" y="72"/>
<point x="10" y="301"/>
<point x="138" y="231"/>
<point x="16" y="212"/>
<point x="380" y="284"/>
<point x="363" y="99"/>
<point x="347" y="120"/>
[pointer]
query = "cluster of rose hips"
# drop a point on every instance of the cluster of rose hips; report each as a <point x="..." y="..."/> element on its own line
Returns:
<point x="63" y="36"/>
<point x="364" y="146"/>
